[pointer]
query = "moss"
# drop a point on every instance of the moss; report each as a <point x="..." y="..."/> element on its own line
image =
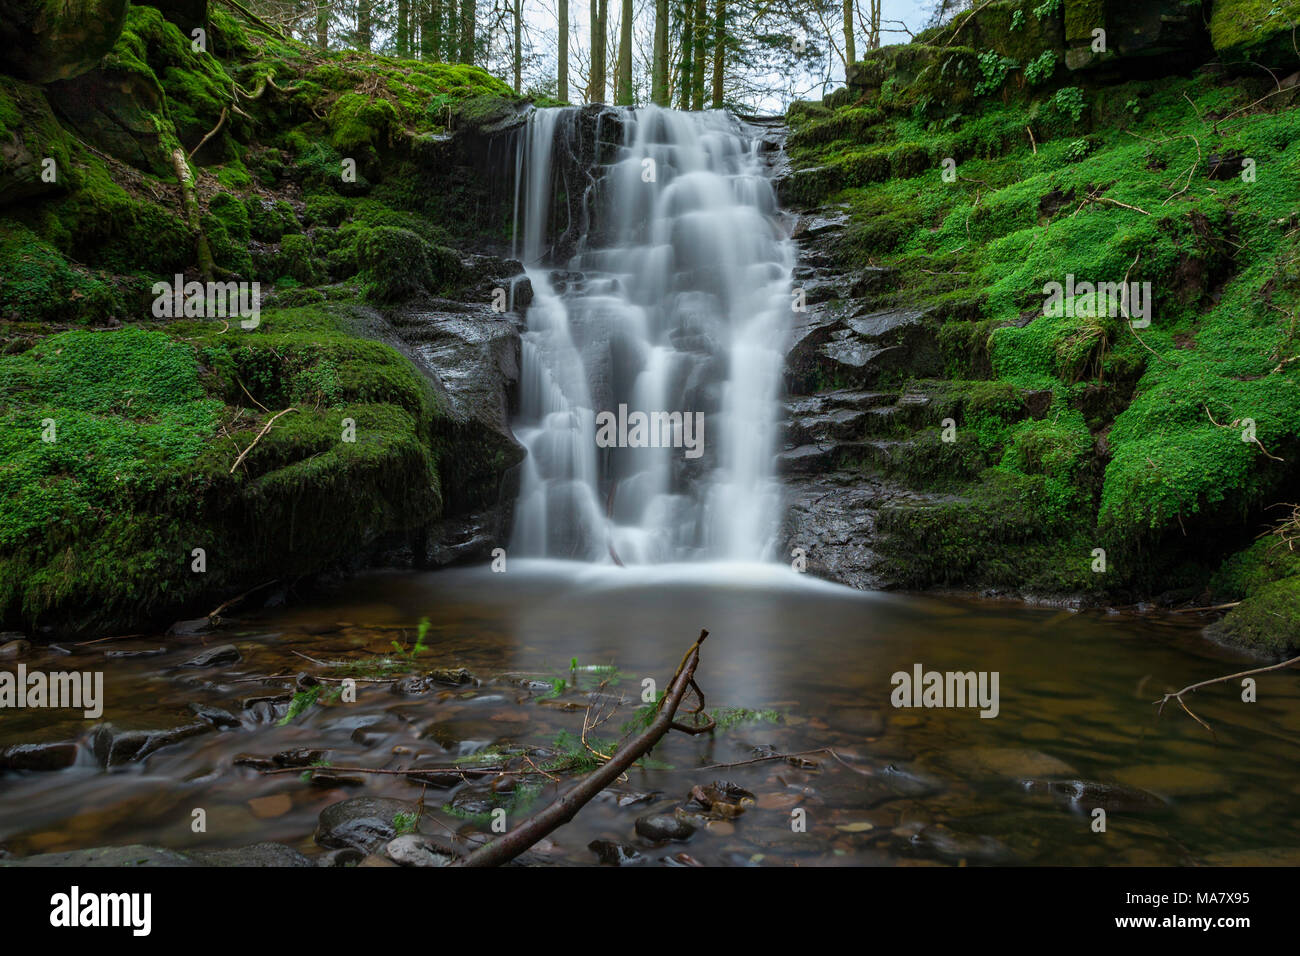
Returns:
<point x="1255" y="30"/>
<point x="270" y="220"/>
<point x="38" y="284"/>
<point x="297" y="260"/>
<point x="1267" y="560"/>
<point x="1268" y="622"/>
<point x="99" y="525"/>
<point x="397" y="264"/>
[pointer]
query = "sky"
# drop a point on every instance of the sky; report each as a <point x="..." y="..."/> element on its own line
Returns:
<point x="540" y="24"/>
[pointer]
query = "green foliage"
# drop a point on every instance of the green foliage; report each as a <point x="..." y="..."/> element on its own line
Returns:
<point x="299" y="705"/>
<point x="1069" y="101"/>
<point x="994" y="68"/>
<point x="1040" y="69"/>
<point x="405" y="822"/>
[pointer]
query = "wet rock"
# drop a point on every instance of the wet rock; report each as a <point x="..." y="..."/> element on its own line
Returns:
<point x="615" y="854"/>
<point x="303" y="757"/>
<point x="125" y="655"/>
<point x="259" y="854"/>
<point x="907" y="782"/>
<point x="475" y="801"/>
<point x="347" y="856"/>
<point x="414" y="850"/>
<point x="134" y="855"/>
<point x="659" y="827"/>
<point x="721" y="799"/>
<point x="112" y="747"/>
<point x="254" y="761"/>
<point x="215" y="656"/>
<point x="191" y="628"/>
<point x="1084" y="796"/>
<point x="15" y="648"/>
<point x="363" y="823"/>
<point x="221" y="719"/>
<point x="949" y="844"/>
<point x="40" y="757"/>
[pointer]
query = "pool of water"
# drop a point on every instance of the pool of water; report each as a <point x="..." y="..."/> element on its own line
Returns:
<point x="1075" y="730"/>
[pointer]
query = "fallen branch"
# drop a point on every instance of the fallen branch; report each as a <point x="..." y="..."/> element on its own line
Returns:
<point x="539" y="825"/>
<point x="1178" y="695"/>
<point x="265" y="428"/>
<point x="193" y="214"/>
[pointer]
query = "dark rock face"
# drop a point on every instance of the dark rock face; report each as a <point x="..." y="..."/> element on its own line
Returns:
<point x="470" y="352"/>
<point x="115" y="111"/>
<point x="44" y="40"/>
<point x="54" y="756"/>
<point x="847" y="416"/>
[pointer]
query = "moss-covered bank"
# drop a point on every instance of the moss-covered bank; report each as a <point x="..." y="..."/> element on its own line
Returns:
<point x="155" y="466"/>
<point x="983" y="173"/>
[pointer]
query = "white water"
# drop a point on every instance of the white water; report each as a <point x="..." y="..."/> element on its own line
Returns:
<point x="681" y="307"/>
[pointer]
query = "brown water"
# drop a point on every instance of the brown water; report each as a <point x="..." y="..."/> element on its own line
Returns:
<point x="909" y="785"/>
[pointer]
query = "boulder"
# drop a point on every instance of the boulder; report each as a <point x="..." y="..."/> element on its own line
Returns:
<point x="46" y="40"/>
<point x="1255" y="31"/>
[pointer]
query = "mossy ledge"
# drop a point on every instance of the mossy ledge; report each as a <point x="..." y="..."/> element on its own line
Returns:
<point x="121" y="503"/>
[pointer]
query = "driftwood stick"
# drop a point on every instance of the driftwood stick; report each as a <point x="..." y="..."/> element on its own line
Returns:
<point x="1191" y="688"/>
<point x="536" y="827"/>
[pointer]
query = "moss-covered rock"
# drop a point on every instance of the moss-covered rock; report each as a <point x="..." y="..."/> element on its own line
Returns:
<point x="1268" y="622"/>
<point x="1258" y="31"/>
<point x="44" y="40"/>
<point x="30" y="139"/>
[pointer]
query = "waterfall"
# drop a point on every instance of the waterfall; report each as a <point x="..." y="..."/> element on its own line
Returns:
<point x="660" y="265"/>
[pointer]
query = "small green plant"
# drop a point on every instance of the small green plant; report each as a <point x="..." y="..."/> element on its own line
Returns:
<point x="306" y="775"/>
<point x="1047" y="8"/>
<point x="1069" y="100"/>
<point x="420" y="647"/>
<point x="994" y="68"/>
<point x="1077" y="150"/>
<point x="1017" y="21"/>
<point x="1133" y="106"/>
<point x="405" y="822"/>
<point x="1040" y="69"/>
<point x="300" y="702"/>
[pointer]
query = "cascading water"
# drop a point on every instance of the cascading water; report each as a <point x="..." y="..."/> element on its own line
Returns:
<point x="670" y="310"/>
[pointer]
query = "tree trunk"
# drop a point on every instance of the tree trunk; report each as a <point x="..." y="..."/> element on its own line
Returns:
<point x="467" y="10"/>
<point x="364" y="27"/>
<point x="873" y="41"/>
<point x="659" y="60"/>
<point x="623" y="92"/>
<point x="719" y="51"/>
<point x="563" y="91"/>
<point x="431" y="30"/>
<point x="701" y="51"/>
<point x="850" y="54"/>
<point x="322" y="26"/>
<point x="403" y="29"/>
<point x="688" y="39"/>
<point x="518" y="12"/>
<point x="596" y="86"/>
